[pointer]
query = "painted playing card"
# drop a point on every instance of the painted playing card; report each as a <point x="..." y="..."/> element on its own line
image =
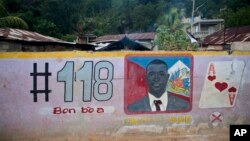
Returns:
<point x="221" y="85"/>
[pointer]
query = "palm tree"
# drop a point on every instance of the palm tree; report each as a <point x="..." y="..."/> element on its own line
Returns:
<point x="10" y="21"/>
<point x="170" y="34"/>
<point x="173" y="19"/>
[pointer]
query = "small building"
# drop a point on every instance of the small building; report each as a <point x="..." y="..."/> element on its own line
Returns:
<point x="233" y="38"/>
<point x="85" y="38"/>
<point x="204" y="27"/>
<point x="14" y="40"/>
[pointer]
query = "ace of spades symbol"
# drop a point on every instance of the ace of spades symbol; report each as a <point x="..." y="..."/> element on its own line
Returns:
<point x="221" y="84"/>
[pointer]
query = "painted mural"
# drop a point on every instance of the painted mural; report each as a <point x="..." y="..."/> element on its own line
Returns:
<point x="221" y="84"/>
<point x="106" y="96"/>
<point x="158" y="84"/>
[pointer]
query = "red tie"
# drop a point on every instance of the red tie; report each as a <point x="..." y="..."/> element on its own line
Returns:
<point x="157" y="104"/>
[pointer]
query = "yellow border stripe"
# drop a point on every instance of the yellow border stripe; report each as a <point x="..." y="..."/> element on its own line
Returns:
<point x="80" y="54"/>
<point x="241" y="53"/>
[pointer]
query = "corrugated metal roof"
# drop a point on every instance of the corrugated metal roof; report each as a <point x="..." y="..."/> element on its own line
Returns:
<point x="24" y="35"/>
<point x="124" y="43"/>
<point x="233" y="34"/>
<point x="132" y="36"/>
<point x="209" y="21"/>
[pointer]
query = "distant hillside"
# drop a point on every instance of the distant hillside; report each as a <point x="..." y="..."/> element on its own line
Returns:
<point x="68" y="18"/>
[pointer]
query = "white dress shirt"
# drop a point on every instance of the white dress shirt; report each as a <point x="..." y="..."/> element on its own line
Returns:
<point x="163" y="98"/>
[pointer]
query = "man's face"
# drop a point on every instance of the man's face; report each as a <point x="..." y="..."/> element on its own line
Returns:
<point x="157" y="77"/>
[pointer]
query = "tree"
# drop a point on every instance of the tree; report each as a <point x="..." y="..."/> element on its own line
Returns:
<point x="172" y="19"/>
<point x="170" y="34"/>
<point x="94" y="7"/>
<point x="62" y="17"/>
<point x="237" y="18"/>
<point x="63" y="13"/>
<point x="46" y="27"/>
<point x="164" y="39"/>
<point x="212" y="8"/>
<point x="10" y="21"/>
<point x="143" y="17"/>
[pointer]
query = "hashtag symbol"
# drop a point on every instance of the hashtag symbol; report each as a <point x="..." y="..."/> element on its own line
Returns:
<point x="46" y="75"/>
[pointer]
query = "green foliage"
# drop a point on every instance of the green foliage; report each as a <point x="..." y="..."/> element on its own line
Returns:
<point x="68" y="37"/>
<point x="94" y="7"/>
<point x="213" y="8"/>
<point x="13" y="22"/>
<point x="64" y="13"/>
<point x="170" y="35"/>
<point x="10" y="21"/>
<point x="172" y="19"/>
<point x="138" y="16"/>
<point x="92" y="25"/>
<point x="237" y="18"/>
<point x="181" y="40"/>
<point x="46" y="27"/>
<point x="76" y="17"/>
<point x="3" y="11"/>
<point x="168" y="39"/>
<point x="164" y="40"/>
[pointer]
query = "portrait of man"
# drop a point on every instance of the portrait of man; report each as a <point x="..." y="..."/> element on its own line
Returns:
<point x="157" y="97"/>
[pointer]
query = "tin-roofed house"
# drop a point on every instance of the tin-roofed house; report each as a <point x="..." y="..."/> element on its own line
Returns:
<point x="233" y="38"/>
<point x="14" y="40"/>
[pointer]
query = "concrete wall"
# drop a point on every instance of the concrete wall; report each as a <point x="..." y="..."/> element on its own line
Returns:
<point x="240" y="46"/>
<point x="88" y="96"/>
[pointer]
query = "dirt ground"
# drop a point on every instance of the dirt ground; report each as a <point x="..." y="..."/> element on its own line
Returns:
<point x="199" y="133"/>
<point x="176" y="134"/>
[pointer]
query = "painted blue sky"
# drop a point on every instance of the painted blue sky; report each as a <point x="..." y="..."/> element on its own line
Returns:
<point x="170" y="60"/>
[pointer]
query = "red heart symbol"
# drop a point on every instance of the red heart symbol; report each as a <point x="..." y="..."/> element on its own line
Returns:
<point x="221" y="86"/>
<point x="211" y="78"/>
<point x="232" y="89"/>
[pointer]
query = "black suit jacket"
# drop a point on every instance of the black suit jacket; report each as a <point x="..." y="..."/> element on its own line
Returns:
<point x="174" y="103"/>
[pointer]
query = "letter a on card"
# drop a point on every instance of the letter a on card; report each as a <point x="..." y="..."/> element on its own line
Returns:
<point x="221" y="84"/>
<point x="211" y="73"/>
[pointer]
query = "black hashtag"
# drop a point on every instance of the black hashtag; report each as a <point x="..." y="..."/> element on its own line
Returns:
<point x="45" y="74"/>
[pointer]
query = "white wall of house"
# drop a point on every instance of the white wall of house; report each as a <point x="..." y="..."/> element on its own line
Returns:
<point x="240" y="46"/>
